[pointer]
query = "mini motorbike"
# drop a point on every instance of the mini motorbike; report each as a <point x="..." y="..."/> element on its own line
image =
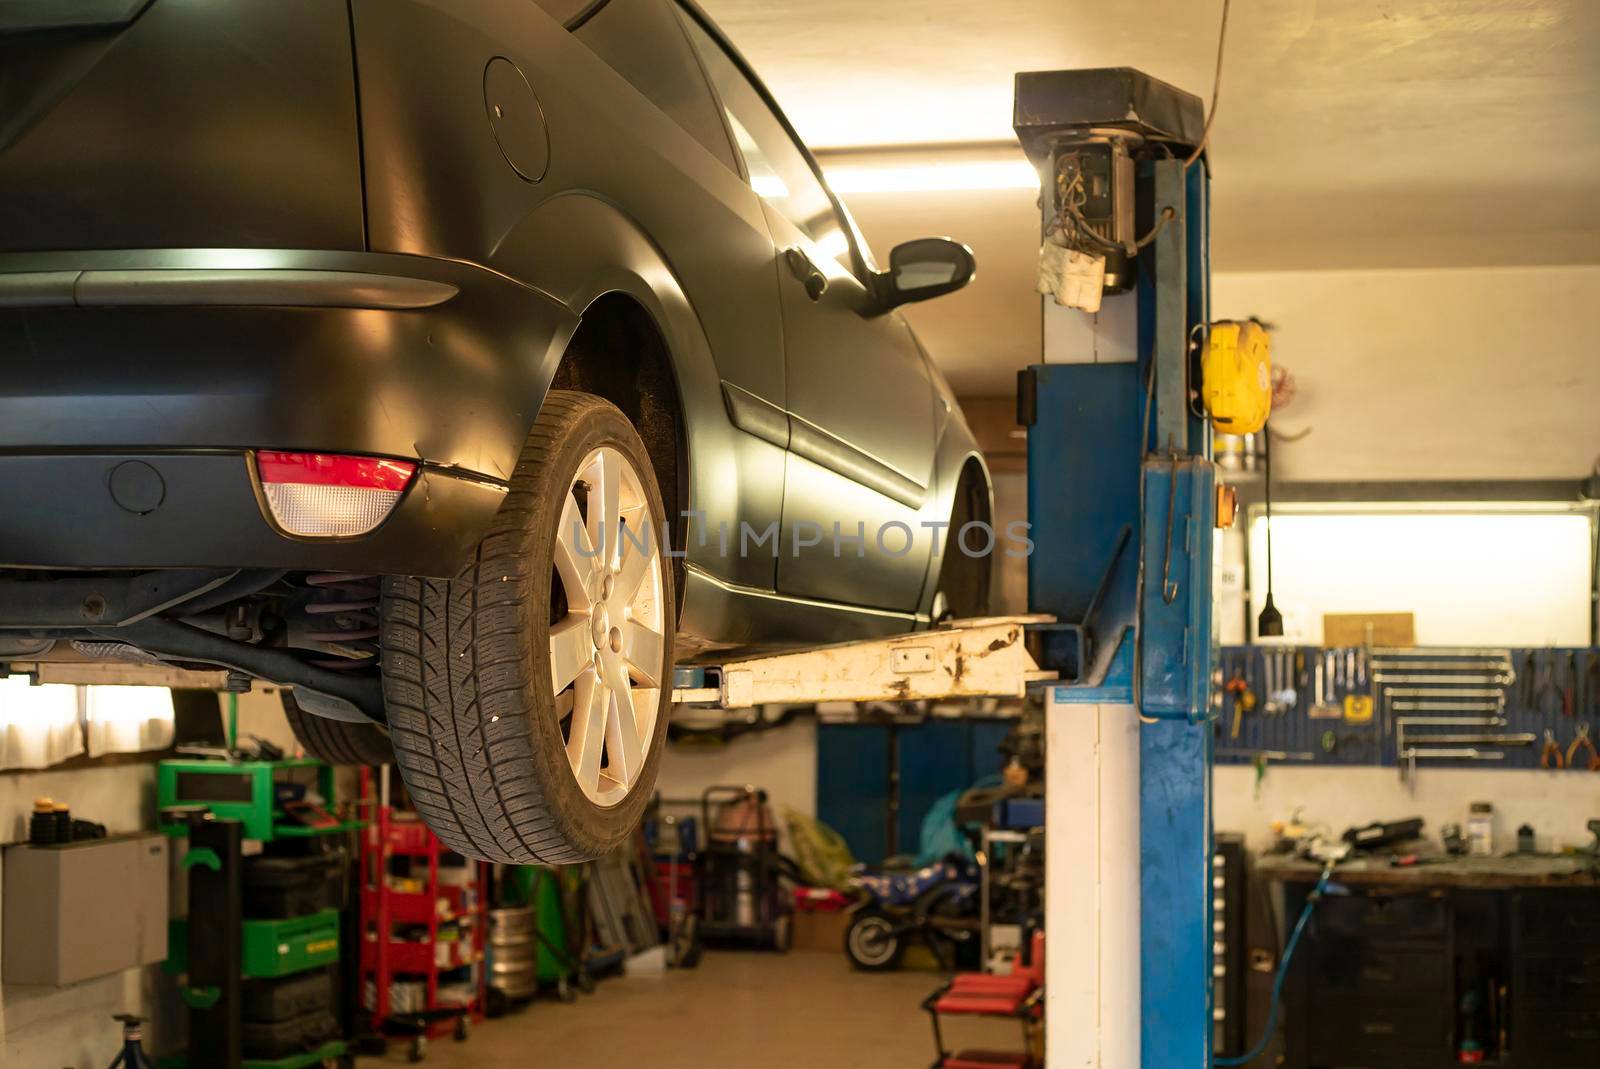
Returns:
<point x="937" y="904"/>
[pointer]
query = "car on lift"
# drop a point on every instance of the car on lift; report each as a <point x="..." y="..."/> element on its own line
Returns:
<point x="460" y="366"/>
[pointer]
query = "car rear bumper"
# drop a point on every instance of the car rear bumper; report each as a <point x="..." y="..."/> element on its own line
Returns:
<point x="60" y="512"/>
<point x="186" y="360"/>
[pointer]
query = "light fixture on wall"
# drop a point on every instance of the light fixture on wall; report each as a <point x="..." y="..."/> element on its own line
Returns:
<point x="1270" y="623"/>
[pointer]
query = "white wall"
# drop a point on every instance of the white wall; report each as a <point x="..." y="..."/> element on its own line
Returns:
<point x="1510" y="578"/>
<point x="261" y="714"/>
<point x="1471" y="373"/>
<point x="1008" y="592"/>
<point x="48" y="1028"/>
<point x="783" y="760"/>
<point x="1478" y="373"/>
<point x="1557" y="804"/>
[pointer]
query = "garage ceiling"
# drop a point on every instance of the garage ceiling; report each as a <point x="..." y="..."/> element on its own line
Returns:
<point x="1352" y="133"/>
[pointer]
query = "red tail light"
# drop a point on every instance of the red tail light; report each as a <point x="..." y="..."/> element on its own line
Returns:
<point x="328" y="495"/>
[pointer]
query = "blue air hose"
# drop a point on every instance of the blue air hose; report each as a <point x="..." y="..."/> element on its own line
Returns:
<point x="1283" y="971"/>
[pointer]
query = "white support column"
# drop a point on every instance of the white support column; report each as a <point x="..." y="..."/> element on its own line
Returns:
<point x="1092" y="1007"/>
<point x="1109" y="336"/>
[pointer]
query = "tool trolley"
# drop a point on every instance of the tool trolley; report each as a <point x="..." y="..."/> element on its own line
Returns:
<point x="423" y="924"/>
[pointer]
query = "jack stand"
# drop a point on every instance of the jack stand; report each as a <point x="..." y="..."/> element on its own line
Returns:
<point x="132" y="1055"/>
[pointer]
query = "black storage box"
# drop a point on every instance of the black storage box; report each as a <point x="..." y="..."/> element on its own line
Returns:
<point x="287" y="997"/>
<point x="281" y="1039"/>
<point x="279" y="888"/>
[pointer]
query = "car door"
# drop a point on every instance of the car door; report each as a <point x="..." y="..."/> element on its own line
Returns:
<point x="861" y="404"/>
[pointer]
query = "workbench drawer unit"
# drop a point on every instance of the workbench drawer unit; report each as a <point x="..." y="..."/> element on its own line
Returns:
<point x="1555" y="987"/>
<point x="1416" y="919"/>
<point x="1363" y="972"/>
<point x="1376" y="987"/>
<point x="1559" y="981"/>
<point x="1561" y="920"/>
<point x="1555" y="1040"/>
<point x="1378" y="1035"/>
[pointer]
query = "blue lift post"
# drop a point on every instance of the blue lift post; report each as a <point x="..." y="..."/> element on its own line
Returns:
<point x="1121" y="497"/>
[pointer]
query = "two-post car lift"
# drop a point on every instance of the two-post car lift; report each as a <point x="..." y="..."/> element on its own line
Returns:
<point x="1122" y="503"/>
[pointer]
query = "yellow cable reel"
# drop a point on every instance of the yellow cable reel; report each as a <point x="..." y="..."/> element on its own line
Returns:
<point x="1236" y="376"/>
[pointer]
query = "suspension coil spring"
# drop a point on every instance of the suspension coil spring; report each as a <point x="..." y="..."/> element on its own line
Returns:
<point x="348" y="603"/>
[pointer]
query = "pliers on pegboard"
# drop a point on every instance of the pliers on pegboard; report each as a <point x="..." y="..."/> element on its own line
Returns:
<point x="1527" y="681"/>
<point x="1538" y="682"/>
<point x="1583" y="739"/>
<point x="1550" y="756"/>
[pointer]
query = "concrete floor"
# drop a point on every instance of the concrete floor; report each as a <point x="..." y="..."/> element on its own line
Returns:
<point x="803" y="1009"/>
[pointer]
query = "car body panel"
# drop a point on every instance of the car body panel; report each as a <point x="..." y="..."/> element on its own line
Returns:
<point x="456" y="385"/>
<point x="60" y="512"/>
<point x="861" y="440"/>
<point x="201" y="124"/>
<point x="583" y="248"/>
<point x="397" y="148"/>
<point x="745" y="619"/>
<point x="570" y="234"/>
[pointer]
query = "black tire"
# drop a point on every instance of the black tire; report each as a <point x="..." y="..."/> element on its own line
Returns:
<point x="871" y="942"/>
<point x="466" y="671"/>
<point x="336" y="741"/>
<point x="963" y="590"/>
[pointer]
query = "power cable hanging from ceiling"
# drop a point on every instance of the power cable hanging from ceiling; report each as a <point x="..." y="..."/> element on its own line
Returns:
<point x="1216" y="88"/>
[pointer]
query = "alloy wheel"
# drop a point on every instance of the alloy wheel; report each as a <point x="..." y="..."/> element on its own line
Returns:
<point x="606" y="634"/>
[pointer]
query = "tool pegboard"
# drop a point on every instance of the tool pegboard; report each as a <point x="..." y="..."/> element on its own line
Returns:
<point x="1454" y="707"/>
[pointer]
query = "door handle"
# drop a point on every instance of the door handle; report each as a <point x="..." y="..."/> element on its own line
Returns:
<point x="800" y="265"/>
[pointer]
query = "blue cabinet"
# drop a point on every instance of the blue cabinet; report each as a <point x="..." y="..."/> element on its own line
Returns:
<point x="876" y="782"/>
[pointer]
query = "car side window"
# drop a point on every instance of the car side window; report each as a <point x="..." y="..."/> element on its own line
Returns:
<point x="779" y="172"/>
<point x="638" y="40"/>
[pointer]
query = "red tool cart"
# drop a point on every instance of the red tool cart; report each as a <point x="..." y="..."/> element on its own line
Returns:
<point x="423" y="924"/>
<point x="977" y="994"/>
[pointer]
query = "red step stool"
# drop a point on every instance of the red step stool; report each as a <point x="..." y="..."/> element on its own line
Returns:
<point x="986" y="995"/>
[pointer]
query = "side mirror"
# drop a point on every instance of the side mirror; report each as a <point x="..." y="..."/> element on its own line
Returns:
<point x="925" y="268"/>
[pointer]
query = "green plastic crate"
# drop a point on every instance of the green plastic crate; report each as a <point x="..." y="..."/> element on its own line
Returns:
<point x="271" y="948"/>
<point x="236" y="790"/>
<point x="278" y="948"/>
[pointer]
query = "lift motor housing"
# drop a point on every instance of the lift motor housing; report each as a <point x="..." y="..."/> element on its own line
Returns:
<point x="1085" y="130"/>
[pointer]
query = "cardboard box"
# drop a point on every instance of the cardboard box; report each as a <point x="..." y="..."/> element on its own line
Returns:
<point x="1369" y="629"/>
<point x="84" y="909"/>
<point x="821" y="930"/>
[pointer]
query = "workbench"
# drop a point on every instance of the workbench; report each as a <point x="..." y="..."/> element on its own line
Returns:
<point x="1407" y="966"/>
<point x="1480" y="873"/>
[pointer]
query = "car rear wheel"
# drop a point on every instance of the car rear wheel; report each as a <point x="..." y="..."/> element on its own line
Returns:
<point x="336" y="741"/>
<point x="527" y="697"/>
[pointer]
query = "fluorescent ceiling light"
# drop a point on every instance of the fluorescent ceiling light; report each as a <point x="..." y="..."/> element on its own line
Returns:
<point x="933" y="177"/>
